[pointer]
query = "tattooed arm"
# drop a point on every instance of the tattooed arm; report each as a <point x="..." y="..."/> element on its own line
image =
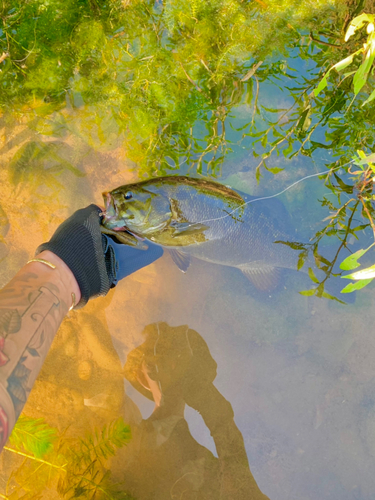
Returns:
<point x="32" y="306"/>
<point x="34" y="303"/>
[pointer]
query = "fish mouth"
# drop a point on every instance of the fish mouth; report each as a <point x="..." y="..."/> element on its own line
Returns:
<point x="111" y="219"/>
<point x="110" y="214"/>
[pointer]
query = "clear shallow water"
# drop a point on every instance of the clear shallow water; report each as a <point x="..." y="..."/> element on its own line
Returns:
<point x="297" y="371"/>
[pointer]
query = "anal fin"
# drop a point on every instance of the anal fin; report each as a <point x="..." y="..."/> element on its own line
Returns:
<point x="264" y="278"/>
<point x="182" y="260"/>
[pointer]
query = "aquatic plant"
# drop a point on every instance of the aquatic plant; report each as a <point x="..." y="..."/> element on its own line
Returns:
<point x="169" y="74"/>
<point x="361" y="74"/>
<point x="180" y="85"/>
<point x="76" y="467"/>
<point x="362" y="178"/>
<point x="341" y="223"/>
<point x="365" y="178"/>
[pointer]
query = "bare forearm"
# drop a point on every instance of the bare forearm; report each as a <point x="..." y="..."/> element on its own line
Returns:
<point x="32" y="307"/>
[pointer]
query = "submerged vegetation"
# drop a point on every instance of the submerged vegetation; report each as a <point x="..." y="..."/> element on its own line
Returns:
<point x="181" y="85"/>
<point x="363" y="178"/>
<point x="165" y="74"/>
<point x="77" y="468"/>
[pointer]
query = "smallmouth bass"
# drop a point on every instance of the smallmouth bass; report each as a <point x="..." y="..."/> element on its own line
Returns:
<point x="206" y="220"/>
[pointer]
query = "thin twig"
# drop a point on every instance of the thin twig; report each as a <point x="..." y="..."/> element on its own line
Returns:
<point x="205" y="65"/>
<point x="334" y="216"/>
<point x="62" y="467"/>
<point x="275" y="147"/>
<point x="323" y="43"/>
<point x="309" y="135"/>
<point x="343" y="243"/>
<point x="255" y="102"/>
<point x="251" y="72"/>
<point x="368" y="215"/>
<point x="190" y="80"/>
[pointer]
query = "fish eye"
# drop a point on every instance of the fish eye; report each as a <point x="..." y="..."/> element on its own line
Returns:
<point x="128" y="195"/>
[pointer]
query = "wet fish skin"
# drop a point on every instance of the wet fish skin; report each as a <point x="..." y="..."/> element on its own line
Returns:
<point x="204" y="219"/>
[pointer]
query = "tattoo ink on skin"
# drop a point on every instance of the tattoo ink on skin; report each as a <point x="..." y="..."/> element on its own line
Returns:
<point x="24" y="342"/>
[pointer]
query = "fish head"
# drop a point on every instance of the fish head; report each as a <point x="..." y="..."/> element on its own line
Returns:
<point x="167" y="209"/>
<point x="137" y="208"/>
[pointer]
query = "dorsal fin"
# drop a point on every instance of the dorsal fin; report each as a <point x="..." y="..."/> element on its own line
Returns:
<point x="201" y="184"/>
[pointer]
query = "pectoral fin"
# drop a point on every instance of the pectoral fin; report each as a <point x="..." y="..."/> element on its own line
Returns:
<point x="182" y="260"/>
<point x="182" y="228"/>
<point x="265" y="278"/>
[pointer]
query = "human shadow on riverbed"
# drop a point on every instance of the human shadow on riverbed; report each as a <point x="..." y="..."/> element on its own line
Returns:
<point x="174" y="368"/>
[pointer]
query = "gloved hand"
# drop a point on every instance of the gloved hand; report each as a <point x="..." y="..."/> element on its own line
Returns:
<point x="95" y="259"/>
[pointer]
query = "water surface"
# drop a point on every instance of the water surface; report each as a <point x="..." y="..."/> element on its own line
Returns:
<point x="274" y="388"/>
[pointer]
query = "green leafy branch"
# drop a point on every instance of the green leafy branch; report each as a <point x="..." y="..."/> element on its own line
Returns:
<point x="322" y="263"/>
<point x="368" y="52"/>
<point x="363" y="277"/>
<point x="340" y="225"/>
<point x="364" y="182"/>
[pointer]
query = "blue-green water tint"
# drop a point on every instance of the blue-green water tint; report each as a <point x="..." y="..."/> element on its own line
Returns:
<point x="123" y="91"/>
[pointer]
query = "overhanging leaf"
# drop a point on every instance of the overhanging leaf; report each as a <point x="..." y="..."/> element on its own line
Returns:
<point x="292" y="244"/>
<point x="360" y="77"/>
<point x="301" y="259"/>
<point x="351" y="262"/>
<point x="326" y="295"/>
<point x="288" y="150"/>
<point x="339" y="67"/>
<point x="357" y="23"/>
<point x="347" y="188"/>
<point x="363" y="274"/>
<point x="303" y="118"/>
<point x="322" y="84"/>
<point x="308" y="292"/>
<point x="312" y="275"/>
<point x="355" y="286"/>
<point x="370" y="98"/>
<point x="344" y="63"/>
<point x="273" y="170"/>
<point x="367" y="159"/>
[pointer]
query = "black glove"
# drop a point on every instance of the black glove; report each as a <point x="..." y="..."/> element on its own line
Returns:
<point x="96" y="261"/>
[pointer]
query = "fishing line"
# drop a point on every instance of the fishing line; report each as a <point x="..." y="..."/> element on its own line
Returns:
<point x="271" y="196"/>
